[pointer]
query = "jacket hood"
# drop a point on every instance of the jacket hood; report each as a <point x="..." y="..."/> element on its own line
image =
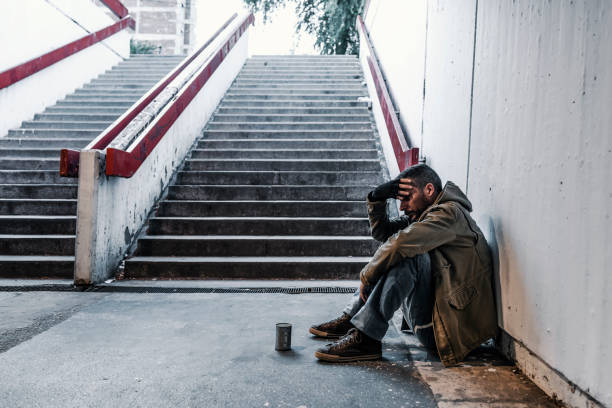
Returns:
<point x="451" y="192"/>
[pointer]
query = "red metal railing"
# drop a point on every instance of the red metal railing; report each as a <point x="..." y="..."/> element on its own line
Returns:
<point x="21" y="71"/>
<point x="405" y="155"/>
<point x="116" y="7"/>
<point x="123" y="163"/>
<point x="69" y="158"/>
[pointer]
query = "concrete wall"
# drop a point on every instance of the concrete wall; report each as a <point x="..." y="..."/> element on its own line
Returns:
<point x="530" y="139"/>
<point x="112" y="210"/>
<point x="34" y="27"/>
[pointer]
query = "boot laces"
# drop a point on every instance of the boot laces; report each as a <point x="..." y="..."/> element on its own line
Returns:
<point x="352" y="337"/>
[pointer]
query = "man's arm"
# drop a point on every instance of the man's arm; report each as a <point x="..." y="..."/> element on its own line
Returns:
<point x="381" y="226"/>
<point x="434" y="230"/>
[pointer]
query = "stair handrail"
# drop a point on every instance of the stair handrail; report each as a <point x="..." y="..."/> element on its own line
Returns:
<point x="116" y="7"/>
<point x="124" y="163"/>
<point x="69" y="158"/>
<point x="405" y="155"/>
<point x="31" y="67"/>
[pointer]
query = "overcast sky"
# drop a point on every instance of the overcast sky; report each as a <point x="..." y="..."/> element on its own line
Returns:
<point x="277" y="36"/>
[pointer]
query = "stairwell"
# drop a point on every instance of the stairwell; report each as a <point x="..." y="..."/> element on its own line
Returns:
<point x="37" y="206"/>
<point x="276" y="186"/>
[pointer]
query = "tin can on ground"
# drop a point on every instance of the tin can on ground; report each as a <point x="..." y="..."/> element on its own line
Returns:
<point x="283" y="337"/>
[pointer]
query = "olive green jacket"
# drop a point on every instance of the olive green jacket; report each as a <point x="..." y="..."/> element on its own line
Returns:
<point x="464" y="312"/>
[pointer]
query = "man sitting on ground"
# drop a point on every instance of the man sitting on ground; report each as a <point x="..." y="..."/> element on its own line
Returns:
<point x="434" y="263"/>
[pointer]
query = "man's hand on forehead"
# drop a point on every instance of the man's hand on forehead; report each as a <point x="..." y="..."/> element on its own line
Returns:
<point x="406" y="185"/>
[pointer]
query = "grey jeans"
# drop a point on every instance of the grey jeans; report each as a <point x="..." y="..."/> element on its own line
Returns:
<point x="407" y="285"/>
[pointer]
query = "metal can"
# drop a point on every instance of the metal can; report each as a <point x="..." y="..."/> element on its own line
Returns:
<point x="283" y="337"/>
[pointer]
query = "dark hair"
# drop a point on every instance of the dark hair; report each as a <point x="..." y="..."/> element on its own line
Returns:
<point x="422" y="174"/>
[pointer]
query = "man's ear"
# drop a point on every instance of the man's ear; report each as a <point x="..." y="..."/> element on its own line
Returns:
<point x="430" y="191"/>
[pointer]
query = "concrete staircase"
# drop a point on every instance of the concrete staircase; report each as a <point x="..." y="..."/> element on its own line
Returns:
<point x="37" y="206"/>
<point x="276" y="187"/>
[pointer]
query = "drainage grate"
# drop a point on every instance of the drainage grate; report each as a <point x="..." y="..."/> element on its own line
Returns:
<point x="290" y="291"/>
<point x="41" y="288"/>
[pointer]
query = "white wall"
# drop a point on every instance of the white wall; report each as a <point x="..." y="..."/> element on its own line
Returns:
<point x="536" y="162"/>
<point x="540" y="171"/>
<point x="120" y="207"/>
<point x="397" y="29"/>
<point x="31" y="28"/>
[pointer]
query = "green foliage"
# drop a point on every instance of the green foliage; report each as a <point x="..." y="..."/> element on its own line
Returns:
<point x="332" y="22"/>
<point x="142" y="47"/>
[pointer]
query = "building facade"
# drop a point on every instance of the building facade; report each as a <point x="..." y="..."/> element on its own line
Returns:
<point x="167" y="24"/>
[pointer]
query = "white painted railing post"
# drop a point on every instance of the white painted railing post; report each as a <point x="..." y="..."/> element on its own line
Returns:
<point x="90" y="172"/>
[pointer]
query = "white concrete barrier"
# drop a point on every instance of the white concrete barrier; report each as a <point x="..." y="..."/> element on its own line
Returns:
<point x="32" y="28"/>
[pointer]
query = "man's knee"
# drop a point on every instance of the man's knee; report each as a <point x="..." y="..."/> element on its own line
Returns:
<point x="410" y="267"/>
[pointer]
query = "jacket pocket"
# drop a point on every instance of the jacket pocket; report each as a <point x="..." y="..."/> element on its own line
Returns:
<point x="462" y="297"/>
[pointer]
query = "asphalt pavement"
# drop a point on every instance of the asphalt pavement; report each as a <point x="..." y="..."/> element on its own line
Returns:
<point x="62" y="348"/>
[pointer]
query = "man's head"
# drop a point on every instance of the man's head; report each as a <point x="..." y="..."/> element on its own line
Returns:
<point x="419" y="188"/>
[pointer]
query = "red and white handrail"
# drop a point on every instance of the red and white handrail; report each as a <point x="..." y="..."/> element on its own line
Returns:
<point x="124" y="163"/>
<point x="404" y="154"/>
<point x="24" y="70"/>
<point x="69" y="158"/>
<point x="116" y="7"/>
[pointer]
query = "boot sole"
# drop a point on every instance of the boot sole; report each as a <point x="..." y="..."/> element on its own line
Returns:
<point x="325" y="335"/>
<point x="333" y="358"/>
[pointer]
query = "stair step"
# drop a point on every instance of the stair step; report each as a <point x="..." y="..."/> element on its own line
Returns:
<point x="77" y="109"/>
<point x="135" y="81"/>
<point x="30" y="164"/>
<point x="47" y="124"/>
<point x="291" y="118"/>
<point x="37" y="206"/>
<point x="10" y="152"/>
<point x="82" y="117"/>
<point x="37" y="244"/>
<point x="245" y="267"/>
<point x="282" y="165"/>
<point x="301" y="65"/>
<point x="274" y="192"/>
<point x="258" y="226"/>
<point x="28" y="191"/>
<point x="254" y="245"/>
<point x="92" y="103"/>
<point x="291" y="77"/>
<point x="287" y="125"/>
<point x="33" y="266"/>
<point x="37" y="224"/>
<point x="295" y="90"/>
<point x="282" y="153"/>
<point x="233" y="95"/>
<point x="289" y="70"/>
<point x="31" y="142"/>
<point x="261" y="208"/>
<point x="132" y="75"/>
<point x="115" y="93"/>
<point x="295" y="84"/>
<point x="314" y="134"/>
<point x="54" y="133"/>
<point x="278" y="178"/>
<point x="119" y="86"/>
<point x="283" y="111"/>
<point x="101" y="98"/>
<point x="246" y="103"/>
<point x="33" y="177"/>
<point x="286" y="143"/>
